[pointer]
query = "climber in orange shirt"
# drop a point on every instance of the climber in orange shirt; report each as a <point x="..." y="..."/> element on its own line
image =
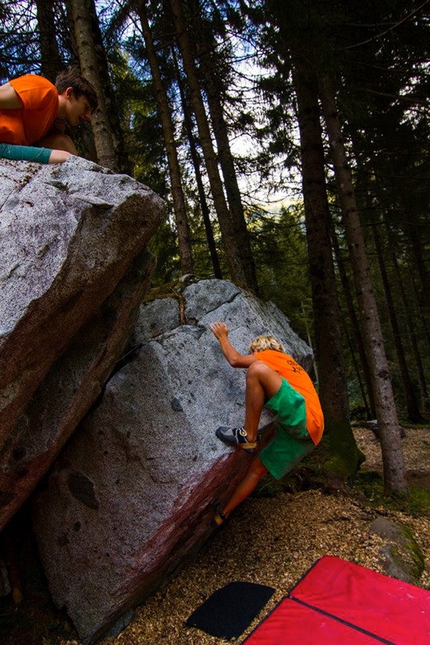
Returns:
<point x="34" y="114"/>
<point x="276" y="381"/>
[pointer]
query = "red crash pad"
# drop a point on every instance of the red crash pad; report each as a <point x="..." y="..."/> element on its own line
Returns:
<point x="294" y="624"/>
<point x="341" y="602"/>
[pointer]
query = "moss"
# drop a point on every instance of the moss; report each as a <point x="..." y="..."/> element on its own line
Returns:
<point x="407" y="555"/>
<point x="418" y="502"/>
<point x="414" y="551"/>
<point x="371" y="484"/>
<point x="171" y="289"/>
<point x="344" y="457"/>
<point x="337" y="466"/>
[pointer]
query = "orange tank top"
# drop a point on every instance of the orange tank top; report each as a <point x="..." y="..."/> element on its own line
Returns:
<point x="26" y="125"/>
<point x="299" y="379"/>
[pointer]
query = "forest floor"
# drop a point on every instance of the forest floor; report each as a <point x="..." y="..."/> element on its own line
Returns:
<point x="273" y="538"/>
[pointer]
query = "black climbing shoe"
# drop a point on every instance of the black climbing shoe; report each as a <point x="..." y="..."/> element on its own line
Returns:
<point x="236" y="437"/>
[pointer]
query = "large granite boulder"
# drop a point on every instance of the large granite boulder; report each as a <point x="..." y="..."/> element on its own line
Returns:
<point x="74" y="270"/>
<point x="131" y="497"/>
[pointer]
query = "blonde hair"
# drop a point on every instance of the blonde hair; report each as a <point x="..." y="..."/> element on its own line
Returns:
<point x="266" y="341"/>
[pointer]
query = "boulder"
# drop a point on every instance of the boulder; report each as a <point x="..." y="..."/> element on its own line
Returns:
<point x="67" y="236"/>
<point x="400" y="555"/>
<point x="70" y="388"/>
<point x="74" y="270"/>
<point x="131" y="497"/>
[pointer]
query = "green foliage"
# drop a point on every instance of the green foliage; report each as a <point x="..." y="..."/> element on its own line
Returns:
<point x="203" y="267"/>
<point x="140" y="123"/>
<point x="354" y="391"/>
<point x="163" y="245"/>
<point x="280" y="254"/>
<point x="18" y="48"/>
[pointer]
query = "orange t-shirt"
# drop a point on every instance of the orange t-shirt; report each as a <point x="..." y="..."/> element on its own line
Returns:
<point x="299" y="379"/>
<point x="33" y="121"/>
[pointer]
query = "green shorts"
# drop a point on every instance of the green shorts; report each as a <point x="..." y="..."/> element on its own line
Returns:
<point x="292" y="441"/>
<point x="24" y="153"/>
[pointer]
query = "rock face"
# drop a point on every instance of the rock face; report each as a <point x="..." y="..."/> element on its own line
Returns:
<point x="401" y="556"/>
<point x="132" y="495"/>
<point x="74" y="270"/>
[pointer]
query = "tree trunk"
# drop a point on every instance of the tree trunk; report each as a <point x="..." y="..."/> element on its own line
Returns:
<point x="386" y="414"/>
<point x="164" y="110"/>
<point x="332" y="385"/>
<point x="197" y="172"/>
<point x="232" y="248"/>
<point x="51" y="60"/>
<point x="411" y="402"/>
<point x="94" y="68"/>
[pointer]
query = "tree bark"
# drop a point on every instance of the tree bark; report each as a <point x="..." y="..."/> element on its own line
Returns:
<point x="51" y="60"/>
<point x="164" y="110"/>
<point x="94" y="68"/>
<point x="386" y="414"/>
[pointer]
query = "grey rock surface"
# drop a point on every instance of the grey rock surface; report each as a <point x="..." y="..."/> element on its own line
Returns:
<point x="73" y="271"/>
<point x="70" y="388"/>
<point x="67" y="236"/>
<point x="131" y="497"/>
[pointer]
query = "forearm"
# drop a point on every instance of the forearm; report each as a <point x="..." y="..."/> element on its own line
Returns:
<point x="235" y="358"/>
<point x="230" y="353"/>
